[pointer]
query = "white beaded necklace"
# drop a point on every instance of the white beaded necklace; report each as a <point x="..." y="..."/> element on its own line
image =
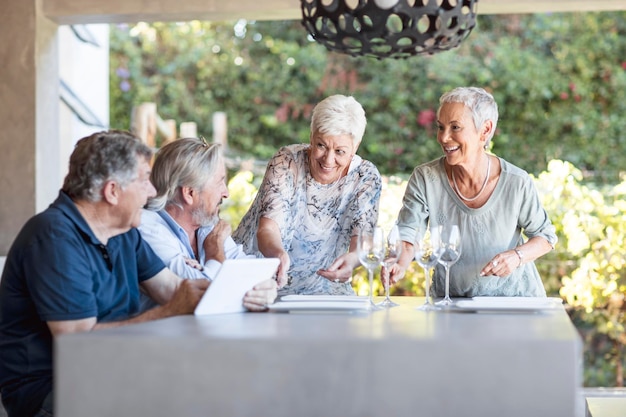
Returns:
<point x="456" y="188"/>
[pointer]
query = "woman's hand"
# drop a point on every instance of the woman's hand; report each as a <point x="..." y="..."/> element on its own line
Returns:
<point x="281" y="274"/>
<point x="260" y="296"/>
<point x="502" y="264"/>
<point x="271" y="246"/>
<point x="341" y="269"/>
<point x="506" y="262"/>
<point x="395" y="273"/>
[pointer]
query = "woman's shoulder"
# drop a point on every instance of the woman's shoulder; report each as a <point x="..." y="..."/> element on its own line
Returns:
<point x="364" y="165"/>
<point x="513" y="172"/>
<point x="429" y="169"/>
<point x="295" y="151"/>
<point x="290" y="154"/>
<point x="364" y="170"/>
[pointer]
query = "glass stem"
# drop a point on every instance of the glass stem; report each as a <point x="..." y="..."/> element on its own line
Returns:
<point x="387" y="288"/>
<point x="427" y="284"/>
<point x="447" y="297"/>
<point x="370" y="273"/>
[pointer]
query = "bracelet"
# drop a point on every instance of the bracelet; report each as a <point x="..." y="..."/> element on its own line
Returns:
<point x="521" y="256"/>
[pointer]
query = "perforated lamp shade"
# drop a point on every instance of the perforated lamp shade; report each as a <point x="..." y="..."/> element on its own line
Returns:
<point x="389" y="28"/>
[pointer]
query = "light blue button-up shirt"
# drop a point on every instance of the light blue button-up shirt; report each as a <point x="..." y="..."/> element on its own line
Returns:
<point x="171" y="243"/>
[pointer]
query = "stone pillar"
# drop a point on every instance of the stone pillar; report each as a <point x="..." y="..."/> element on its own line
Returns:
<point x="29" y="123"/>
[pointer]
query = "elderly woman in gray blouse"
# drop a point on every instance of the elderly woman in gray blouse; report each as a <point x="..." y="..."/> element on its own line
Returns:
<point x="504" y="227"/>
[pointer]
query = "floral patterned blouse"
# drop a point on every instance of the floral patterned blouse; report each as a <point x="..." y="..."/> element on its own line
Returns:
<point x="316" y="220"/>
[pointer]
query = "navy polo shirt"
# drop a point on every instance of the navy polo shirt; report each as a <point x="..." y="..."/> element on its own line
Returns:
<point x="57" y="269"/>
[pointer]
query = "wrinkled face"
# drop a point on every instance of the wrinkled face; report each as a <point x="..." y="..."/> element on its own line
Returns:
<point x="135" y="195"/>
<point x="330" y="156"/>
<point x="207" y="209"/>
<point x="457" y="135"/>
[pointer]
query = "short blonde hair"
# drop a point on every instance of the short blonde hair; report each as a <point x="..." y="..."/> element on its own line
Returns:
<point x="339" y="115"/>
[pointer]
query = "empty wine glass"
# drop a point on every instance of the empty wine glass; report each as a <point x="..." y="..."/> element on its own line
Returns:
<point x="449" y="253"/>
<point x="427" y="255"/>
<point x="371" y="249"/>
<point x="393" y="249"/>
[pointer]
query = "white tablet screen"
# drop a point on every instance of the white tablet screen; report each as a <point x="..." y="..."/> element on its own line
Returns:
<point x="233" y="280"/>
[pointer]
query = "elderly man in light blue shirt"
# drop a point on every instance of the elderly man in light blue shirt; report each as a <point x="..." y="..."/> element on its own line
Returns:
<point x="170" y="241"/>
<point x="182" y="223"/>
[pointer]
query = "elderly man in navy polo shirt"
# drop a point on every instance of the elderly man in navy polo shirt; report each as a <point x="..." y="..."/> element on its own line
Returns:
<point x="79" y="266"/>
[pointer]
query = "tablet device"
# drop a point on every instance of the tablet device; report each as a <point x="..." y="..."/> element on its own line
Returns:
<point x="234" y="278"/>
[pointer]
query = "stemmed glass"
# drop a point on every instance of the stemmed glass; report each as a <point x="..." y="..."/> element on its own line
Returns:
<point x="371" y="249"/>
<point x="393" y="249"/>
<point x="449" y="253"/>
<point x="427" y="256"/>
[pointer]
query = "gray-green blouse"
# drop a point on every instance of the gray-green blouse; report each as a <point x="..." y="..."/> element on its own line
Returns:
<point x="497" y="226"/>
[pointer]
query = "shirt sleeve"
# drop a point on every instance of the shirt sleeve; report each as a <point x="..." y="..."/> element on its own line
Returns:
<point x="278" y="187"/>
<point x="413" y="215"/>
<point x="533" y="219"/>
<point x="367" y="198"/>
<point x="232" y="251"/>
<point x="148" y="262"/>
<point x="169" y="248"/>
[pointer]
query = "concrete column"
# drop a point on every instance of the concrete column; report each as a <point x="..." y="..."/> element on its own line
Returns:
<point x="28" y="119"/>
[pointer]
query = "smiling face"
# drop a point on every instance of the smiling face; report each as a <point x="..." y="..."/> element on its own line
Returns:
<point x="330" y="156"/>
<point x="460" y="141"/>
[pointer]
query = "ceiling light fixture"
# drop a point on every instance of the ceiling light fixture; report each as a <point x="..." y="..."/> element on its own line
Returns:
<point x="389" y="28"/>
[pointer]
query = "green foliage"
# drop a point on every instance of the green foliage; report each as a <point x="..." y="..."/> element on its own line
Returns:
<point x="591" y="224"/>
<point x="559" y="80"/>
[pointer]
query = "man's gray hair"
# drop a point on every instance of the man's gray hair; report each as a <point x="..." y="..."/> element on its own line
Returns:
<point x="480" y="103"/>
<point x="186" y="162"/>
<point x="339" y="115"/>
<point x="104" y="156"/>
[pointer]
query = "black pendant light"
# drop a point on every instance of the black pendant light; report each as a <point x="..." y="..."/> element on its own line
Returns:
<point x="389" y="28"/>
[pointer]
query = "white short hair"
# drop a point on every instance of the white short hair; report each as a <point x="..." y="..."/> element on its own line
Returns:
<point x="480" y="103"/>
<point x="339" y="115"/>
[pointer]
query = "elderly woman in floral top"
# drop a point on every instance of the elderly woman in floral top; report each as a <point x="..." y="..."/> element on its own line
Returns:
<point x="314" y="200"/>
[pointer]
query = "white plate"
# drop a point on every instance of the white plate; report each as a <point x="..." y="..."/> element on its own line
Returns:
<point x="329" y="298"/>
<point x="320" y="306"/>
<point x="520" y="300"/>
<point x="509" y="304"/>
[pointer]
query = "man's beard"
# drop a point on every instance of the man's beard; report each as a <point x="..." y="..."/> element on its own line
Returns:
<point x="202" y="218"/>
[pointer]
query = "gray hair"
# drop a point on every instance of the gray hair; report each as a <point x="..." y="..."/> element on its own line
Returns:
<point x="339" y="115"/>
<point x="104" y="156"/>
<point x="187" y="162"/>
<point x="480" y="103"/>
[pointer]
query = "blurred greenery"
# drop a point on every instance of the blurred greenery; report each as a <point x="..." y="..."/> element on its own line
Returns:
<point x="559" y="80"/>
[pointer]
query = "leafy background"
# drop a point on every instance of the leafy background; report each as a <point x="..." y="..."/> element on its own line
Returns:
<point x="558" y="79"/>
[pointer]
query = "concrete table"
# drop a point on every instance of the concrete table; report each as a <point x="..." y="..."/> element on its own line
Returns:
<point x="397" y="362"/>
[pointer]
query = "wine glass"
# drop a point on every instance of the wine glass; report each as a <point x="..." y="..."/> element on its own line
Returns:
<point x="371" y="249"/>
<point x="393" y="249"/>
<point x="427" y="256"/>
<point x="449" y="253"/>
